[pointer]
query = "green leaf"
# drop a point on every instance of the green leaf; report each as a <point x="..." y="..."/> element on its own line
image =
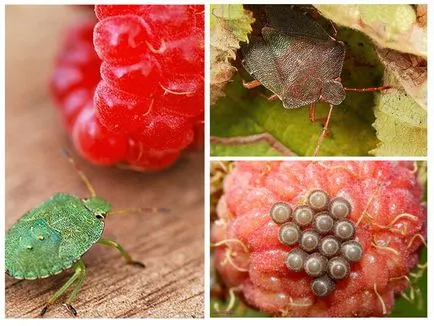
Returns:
<point x="422" y="176"/>
<point x="244" y="146"/>
<point x="239" y="309"/>
<point x="417" y="307"/>
<point x="401" y="126"/>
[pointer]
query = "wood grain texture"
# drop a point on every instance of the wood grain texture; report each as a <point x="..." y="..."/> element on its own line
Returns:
<point x="170" y="244"/>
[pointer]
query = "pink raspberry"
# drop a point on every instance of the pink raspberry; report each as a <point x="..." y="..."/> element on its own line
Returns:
<point x="386" y="208"/>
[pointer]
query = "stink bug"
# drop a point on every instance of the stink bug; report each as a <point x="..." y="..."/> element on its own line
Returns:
<point x="297" y="60"/>
<point x="54" y="236"/>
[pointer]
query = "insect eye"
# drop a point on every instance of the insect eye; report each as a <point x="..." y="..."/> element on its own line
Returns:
<point x="100" y="216"/>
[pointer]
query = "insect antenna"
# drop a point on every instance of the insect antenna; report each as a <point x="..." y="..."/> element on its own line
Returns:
<point x="80" y="172"/>
<point x="151" y="210"/>
<point x="370" y="89"/>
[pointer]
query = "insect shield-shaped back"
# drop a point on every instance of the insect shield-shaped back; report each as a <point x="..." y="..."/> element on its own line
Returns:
<point x="296" y="59"/>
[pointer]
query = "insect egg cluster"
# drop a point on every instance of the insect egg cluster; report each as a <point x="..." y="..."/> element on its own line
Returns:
<point x="324" y="237"/>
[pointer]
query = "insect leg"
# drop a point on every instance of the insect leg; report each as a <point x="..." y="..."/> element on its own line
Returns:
<point x="80" y="172"/>
<point x="62" y="290"/>
<point x="123" y="252"/>
<point x="324" y="131"/>
<point x="312" y="112"/>
<point x="335" y="31"/>
<point x="251" y="84"/>
<point x="370" y="89"/>
<point x="273" y="97"/>
<point x="73" y="295"/>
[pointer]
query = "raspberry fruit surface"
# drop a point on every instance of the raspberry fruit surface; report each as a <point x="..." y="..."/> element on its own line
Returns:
<point x="130" y="86"/>
<point x="386" y="210"/>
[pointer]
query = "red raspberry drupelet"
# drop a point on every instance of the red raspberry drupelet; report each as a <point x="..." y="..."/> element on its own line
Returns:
<point x="386" y="208"/>
<point x="130" y="87"/>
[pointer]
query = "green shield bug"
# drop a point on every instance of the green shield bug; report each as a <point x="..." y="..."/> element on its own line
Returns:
<point x="53" y="237"/>
<point x="298" y="61"/>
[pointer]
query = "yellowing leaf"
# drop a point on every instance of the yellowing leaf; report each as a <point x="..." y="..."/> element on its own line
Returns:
<point x="230" y="25"/>
<point x="391" y="26"/>
<point x="400" y="125"/>
<point x="409" y="70"/>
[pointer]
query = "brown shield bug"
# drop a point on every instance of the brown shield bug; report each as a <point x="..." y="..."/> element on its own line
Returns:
<point x="297" y="60"/>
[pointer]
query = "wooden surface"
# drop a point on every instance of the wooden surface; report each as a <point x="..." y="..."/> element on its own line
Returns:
<point x="170" y="244"/>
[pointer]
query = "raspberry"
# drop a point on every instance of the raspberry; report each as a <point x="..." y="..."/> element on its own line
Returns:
<point x="140" y="157"/>
<point x="73" y="104"/>
<point x="166" y="19"/>
<point x="103" y="12"/>
<point x="182" y="55"/>
<point x="139" y="85"/>
<point x="76" y="73"/>
<point x="165" y="131"/>
<point x="183" y="94"/>
<point x="381" y="199"/>
<point x="122" y="38"/>
<point x="119" y="111"/>
<point x="199" y="133"/>
<point x="95" y="142"/>
<point x="137" y="78"/>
